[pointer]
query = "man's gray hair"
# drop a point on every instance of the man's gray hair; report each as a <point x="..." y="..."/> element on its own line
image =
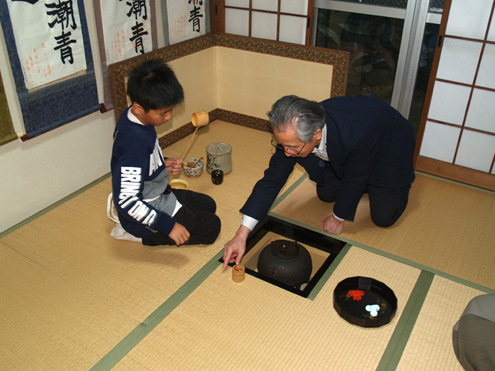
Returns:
<point x="306" y="115"/>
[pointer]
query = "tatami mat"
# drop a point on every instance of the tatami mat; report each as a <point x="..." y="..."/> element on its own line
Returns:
<point x="430" y="344"/>
<point x="72" y="297"/>
<point x="251" y="151"/>
<point x="253" y="325"/>
<point x="48" y="323"/>
<point x="446" y="226"/>
<point x="72" y="243"/>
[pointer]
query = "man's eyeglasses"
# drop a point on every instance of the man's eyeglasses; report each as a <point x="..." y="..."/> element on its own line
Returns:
<point x="286" y="149"/>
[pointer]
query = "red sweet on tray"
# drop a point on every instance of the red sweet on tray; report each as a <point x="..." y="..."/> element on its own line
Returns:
<point x="356" y="294"/>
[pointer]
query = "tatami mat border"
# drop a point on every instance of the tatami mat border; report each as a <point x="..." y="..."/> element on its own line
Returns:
<point x="288" y="191"/>
<point x="398" y="341"/>
<point x="390" y="256"/>
<point x="400" y="337"/>
<point x="377" y="251"/>
<point x="328" y="273"/>
<point x="389" y="360"/>
<point x="159" y="314"/>
<point x="455" y="182"/>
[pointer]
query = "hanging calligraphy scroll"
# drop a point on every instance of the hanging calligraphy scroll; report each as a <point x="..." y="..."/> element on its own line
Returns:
<point x="51" y="60"/>
<point x="7" y="132"/>
<point x="186" y="19"/>
<point x="125" y="29"/>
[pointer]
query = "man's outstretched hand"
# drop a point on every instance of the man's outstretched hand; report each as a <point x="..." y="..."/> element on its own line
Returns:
<point x="234" y="249"/>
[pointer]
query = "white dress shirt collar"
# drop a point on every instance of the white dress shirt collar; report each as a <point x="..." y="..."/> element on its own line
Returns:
<point x="321" y="150"/>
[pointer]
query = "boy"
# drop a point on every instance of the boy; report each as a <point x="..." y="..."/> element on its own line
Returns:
<point x="148" y="209"/>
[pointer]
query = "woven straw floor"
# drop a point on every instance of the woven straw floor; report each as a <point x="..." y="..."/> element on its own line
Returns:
<point x="255" y="325"/>
<point x="445" y="226"/>
<point x="72" y="297"/>
<point x="430" y="346"/>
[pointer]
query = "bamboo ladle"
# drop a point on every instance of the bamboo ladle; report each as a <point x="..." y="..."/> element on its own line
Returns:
<point x="198" y="120"/>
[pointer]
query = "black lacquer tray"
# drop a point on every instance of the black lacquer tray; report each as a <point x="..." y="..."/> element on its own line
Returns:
<point x="364" y="301"/>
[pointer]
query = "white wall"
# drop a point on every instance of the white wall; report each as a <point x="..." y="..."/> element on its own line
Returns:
<point x="41" y="171"/>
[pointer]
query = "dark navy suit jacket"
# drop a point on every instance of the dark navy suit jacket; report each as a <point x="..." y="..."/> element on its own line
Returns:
<point x="368" y="142"/>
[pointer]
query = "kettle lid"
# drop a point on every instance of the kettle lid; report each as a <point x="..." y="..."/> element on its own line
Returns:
<point x="284" y="249"/>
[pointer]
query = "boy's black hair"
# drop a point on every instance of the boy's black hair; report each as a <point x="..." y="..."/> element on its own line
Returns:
<point x="153" y="85"/>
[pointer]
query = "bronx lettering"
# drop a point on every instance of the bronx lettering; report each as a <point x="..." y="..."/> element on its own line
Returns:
<point x="150" y="218"/>
<point x="139" y="211"/>
<point x="130" y="181"/>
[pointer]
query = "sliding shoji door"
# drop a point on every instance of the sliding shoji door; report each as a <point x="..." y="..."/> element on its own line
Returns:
<point x="457" y="133"/>
<point x="281" y="20"/>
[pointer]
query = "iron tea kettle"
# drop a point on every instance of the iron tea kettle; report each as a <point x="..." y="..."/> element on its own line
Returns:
<point x="287" y="262"/>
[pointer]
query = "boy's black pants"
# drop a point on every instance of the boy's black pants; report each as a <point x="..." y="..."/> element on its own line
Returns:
<point x="197" y="214"/>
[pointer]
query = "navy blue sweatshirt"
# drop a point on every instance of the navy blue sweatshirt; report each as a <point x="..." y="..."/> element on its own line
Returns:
<point x="140" y="180"/>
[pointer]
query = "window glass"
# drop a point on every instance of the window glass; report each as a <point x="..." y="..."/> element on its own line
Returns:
<point x="373" y="43"/>
<point x="423" y="75"/>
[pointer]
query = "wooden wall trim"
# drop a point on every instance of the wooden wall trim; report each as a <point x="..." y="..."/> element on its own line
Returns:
<point x="455" y="172"/>
<point x="338" y="59"/>
<point x="119" y="71"/>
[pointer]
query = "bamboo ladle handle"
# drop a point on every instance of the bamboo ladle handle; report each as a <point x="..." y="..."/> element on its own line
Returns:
<point x="198" y="120"/>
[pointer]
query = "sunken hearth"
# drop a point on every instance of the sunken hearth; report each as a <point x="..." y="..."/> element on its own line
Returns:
<point x="273" y="234"/>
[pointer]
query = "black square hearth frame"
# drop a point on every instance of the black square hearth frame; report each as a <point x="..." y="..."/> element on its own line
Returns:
<point x="296" y="233"/>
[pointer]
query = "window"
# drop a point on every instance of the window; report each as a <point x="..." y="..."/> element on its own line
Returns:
<point x="284" y="20"/>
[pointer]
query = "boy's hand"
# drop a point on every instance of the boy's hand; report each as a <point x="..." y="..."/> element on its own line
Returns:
<point x="173" y="165"/>
<point x="179" y="234"/>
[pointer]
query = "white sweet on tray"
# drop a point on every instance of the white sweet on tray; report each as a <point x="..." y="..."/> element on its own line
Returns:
<point x="373" y="309"/>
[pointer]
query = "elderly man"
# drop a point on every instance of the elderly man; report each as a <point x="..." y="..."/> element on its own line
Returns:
<point x="348" y="146"/>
